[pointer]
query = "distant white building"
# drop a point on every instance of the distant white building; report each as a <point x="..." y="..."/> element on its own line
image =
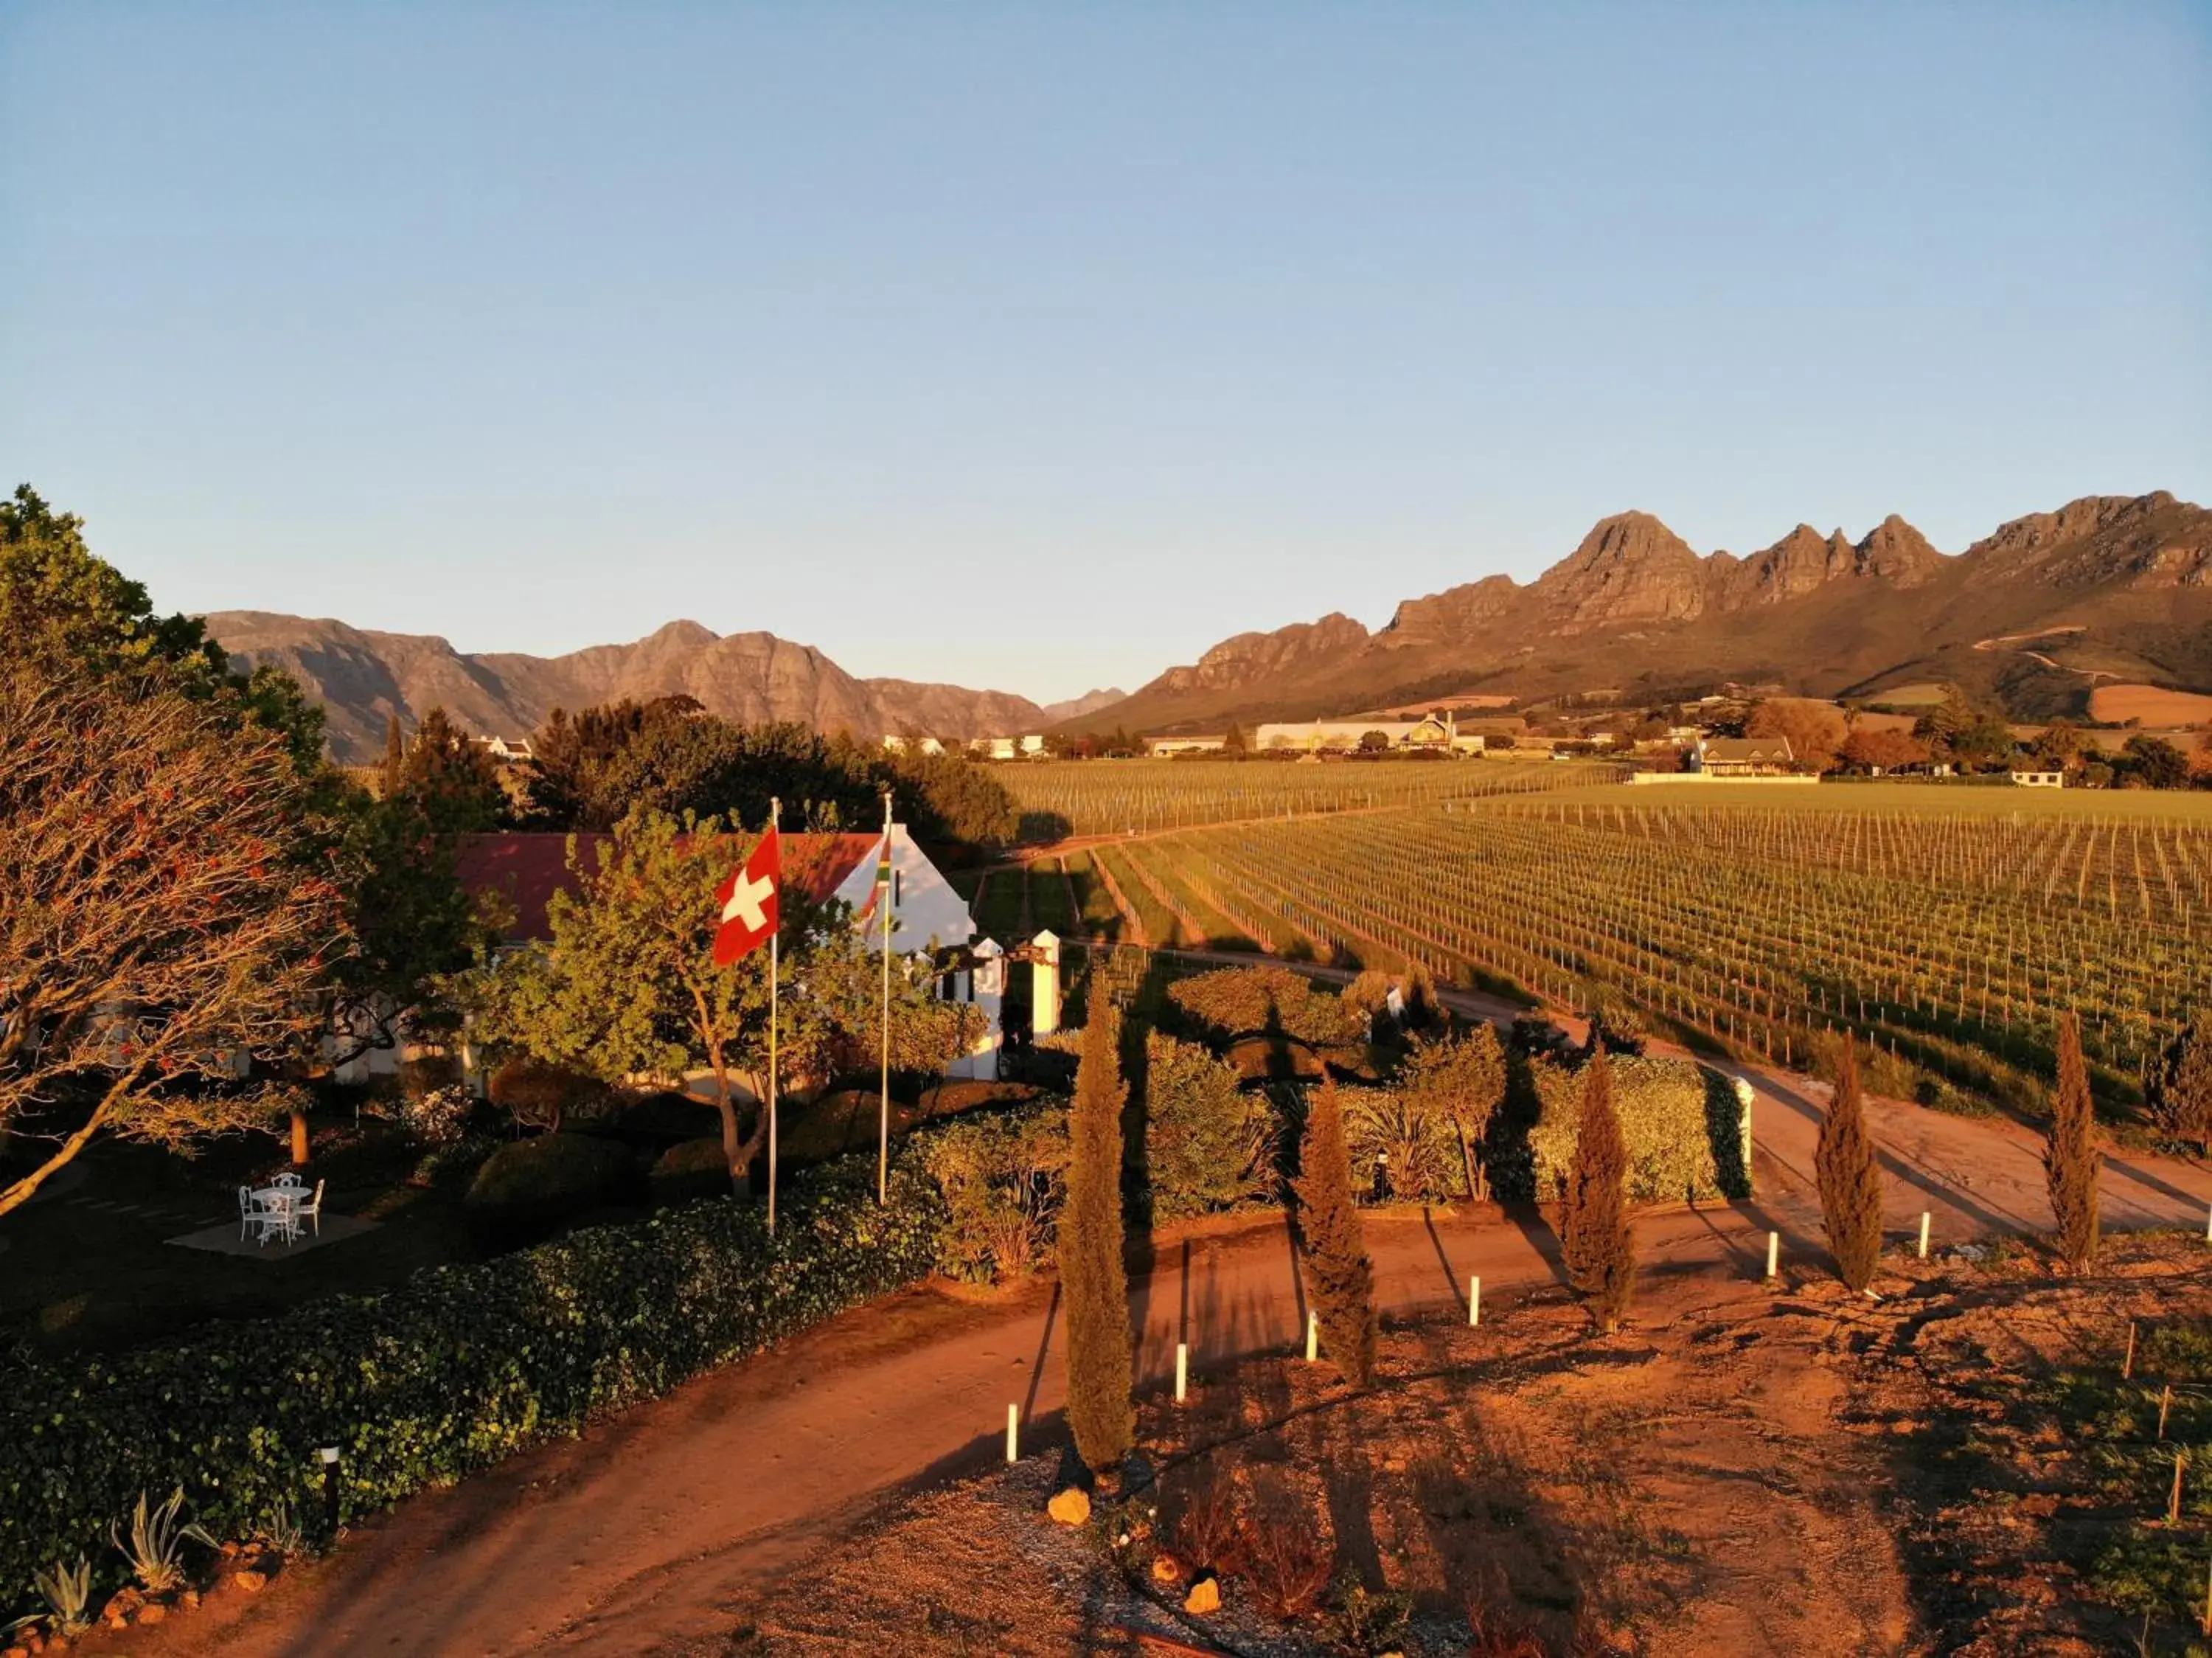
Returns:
<point x="501" y="749"/>
<point x="896" y="745"/>
<point x="1431" y="733"/>
<point x="1158" y="747"/>
<point x="2039" y="779"/>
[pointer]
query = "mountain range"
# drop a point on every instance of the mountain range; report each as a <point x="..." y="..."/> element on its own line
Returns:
<point x="2108" y="588"/>
<point x="363" y="678"/>
<point x="2111" y="588"/>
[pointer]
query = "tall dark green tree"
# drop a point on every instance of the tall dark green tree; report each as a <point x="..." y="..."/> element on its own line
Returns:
<point x="1850" y="1178"/>
<point x="449" y="780"/>
<point x="1595" y="1235"/>
<point x="1339" y="1276"/>
<point x="1093" y="1280"/>
<point x="2071" y="1159"/>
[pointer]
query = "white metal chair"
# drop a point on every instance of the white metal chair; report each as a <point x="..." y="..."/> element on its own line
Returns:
<point x="310" y="1210"/>
<point x="279" y="1217"/>
<point x="289" y="1178"/>
<point x="247" y="1209"/>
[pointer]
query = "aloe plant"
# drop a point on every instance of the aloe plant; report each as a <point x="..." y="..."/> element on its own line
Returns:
<point x="68" y="1594"/>
<point x="156" y="1549"/>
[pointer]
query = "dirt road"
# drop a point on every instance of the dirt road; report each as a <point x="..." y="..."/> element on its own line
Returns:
<point x="647" y="1534"/>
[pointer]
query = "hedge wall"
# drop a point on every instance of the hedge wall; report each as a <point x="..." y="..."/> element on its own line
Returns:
<point x="1681" y="1121"/>
<point x="447" y="1374"/>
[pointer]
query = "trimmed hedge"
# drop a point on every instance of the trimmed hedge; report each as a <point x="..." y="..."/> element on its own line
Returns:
<point x="445" y="1375"/>
<point x="1237" y="1001"/>
<point x="1681" y="1121"/>
<point x="524" y="1190"/>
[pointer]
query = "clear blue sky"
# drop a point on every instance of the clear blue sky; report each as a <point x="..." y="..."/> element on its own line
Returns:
<point x="1042" y="346"/>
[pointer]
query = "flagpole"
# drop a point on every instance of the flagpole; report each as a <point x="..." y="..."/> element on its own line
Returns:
<point x="884" y="1117"/>
<point x="775" y="942"/>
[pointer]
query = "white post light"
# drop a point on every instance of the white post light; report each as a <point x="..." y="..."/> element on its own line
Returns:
<point x="1313" y="1337"/>
<point x="1182" y="1370"/>
<point x="1013" y="1433"/>
<point x="1475" y="1300"/>
<point x="1924" y="1234"/>
<point x="1773" y="1253"/>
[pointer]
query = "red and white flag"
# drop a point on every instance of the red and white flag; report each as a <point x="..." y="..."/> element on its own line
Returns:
<point x="748" y="898"/>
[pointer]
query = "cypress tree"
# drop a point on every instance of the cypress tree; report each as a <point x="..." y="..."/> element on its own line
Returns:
<point x="1093" y="1282"/>
<point x="2070" y="1156"/>
<point x="1850" y="1178"/>
<point x="1340" y="1278"/>
<point x="1593" y="1230"/>
<point x="395" y="758"/>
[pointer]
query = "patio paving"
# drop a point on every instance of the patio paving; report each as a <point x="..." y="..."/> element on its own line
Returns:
<point x="223" y="1238"/>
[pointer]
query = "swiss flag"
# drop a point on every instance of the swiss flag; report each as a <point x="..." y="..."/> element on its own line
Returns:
<point x="748" y="898"/>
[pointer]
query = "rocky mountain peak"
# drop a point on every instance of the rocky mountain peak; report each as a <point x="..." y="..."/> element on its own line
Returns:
<point x="1630" y="568"/>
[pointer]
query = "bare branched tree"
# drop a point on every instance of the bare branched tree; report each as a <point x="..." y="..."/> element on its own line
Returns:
<point x="159" y="928"/>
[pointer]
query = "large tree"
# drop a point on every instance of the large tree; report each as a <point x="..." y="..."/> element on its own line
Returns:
<point x="629" y="985"/>
<point x="160" y="921"/>
<point x="1093" y="1280"/>
<point x="1815" y="730"/>
<point x="65" y="607"/>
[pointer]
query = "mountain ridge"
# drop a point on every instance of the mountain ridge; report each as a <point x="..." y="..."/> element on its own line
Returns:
<point x="1633" y="607"/>
<point x="363" y="676"/>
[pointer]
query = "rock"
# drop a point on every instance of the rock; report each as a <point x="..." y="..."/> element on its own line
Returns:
<point x="1166" y="1568"/>
<point x="1071" y="1507"/>
<point x="17" y="1652"/>
<point x="190" y="1598"/>
<point x="248" y="1582"/>
<point x="1204" y="1595"/>
<point x="153" y="1613"/>
<point x="118" y="1620"/>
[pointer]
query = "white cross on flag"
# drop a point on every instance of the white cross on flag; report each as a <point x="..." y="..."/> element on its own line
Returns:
<point x="748" y="898"/>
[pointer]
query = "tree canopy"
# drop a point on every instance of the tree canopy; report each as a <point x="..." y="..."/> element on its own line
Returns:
<point x="159" y="920"/>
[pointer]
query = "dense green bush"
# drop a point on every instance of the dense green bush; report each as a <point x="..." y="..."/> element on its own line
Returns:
<point x="1209" y="1145"/>
<point x="690" y="1169"/>
<point x="525" y="1190"/>
<point x="447" y="1374"/>
<point x="1682" y="1122"/>
<point x="1239" y="1001"/>
<point x="1003" y="1175"/>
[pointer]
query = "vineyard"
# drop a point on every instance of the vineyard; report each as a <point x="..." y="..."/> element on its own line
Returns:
<point x="1062" y="798"/>
<point x="1951" y="940"/>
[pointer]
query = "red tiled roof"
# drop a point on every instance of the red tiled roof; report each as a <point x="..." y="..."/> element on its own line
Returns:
<point x="527" y="870"/>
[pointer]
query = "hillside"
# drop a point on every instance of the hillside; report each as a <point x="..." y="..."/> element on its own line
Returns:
<point x="2118" y="588"/>
<point x="363" y="678"/>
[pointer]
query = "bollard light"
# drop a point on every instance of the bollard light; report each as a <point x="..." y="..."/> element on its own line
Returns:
<point x="328" y="1455"/>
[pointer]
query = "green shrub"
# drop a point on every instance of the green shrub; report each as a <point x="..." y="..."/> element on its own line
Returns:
<point x="1239" y="1001"/>
<point x="1208" y="1144"/>
<point x="1680" y="1121"/>
<point x="447" y="1374"/>
<point x="525" y="1190"/>
<point x="1417" y="1139"/>
<point x="689" y="1170"/>
<point x="1004" y="1177"/>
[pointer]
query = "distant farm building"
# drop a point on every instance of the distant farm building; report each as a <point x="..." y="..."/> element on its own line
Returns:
<point x="919" y="745"/>
<point x="499" y="748"/>
<point x="2039" y="779"/>
<point x="1007" y="748"/>
<point x="1159" y="746"/>
<point x="1743" y="757"/>
<point x="1431" y="733"/>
